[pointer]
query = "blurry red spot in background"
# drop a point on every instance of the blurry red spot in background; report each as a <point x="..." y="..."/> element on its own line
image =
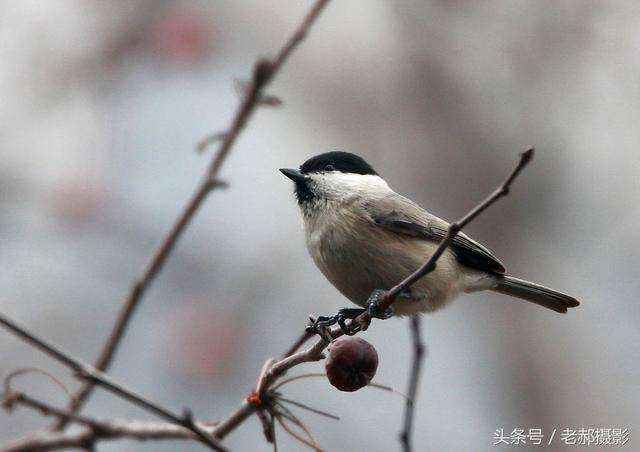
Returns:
<point x="203" y="340"/>
<point x="77" y="201"/>
<point x="184" y="36"/>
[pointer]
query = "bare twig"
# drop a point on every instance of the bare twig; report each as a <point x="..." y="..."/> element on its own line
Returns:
<point x="268" y="428"/>
<point x="209" y="140"/>
<point x="311" y="354"/>
<point x="95" y="429"/>
<point x="46" y="440"/>
<point x="277" y="369"/>
<point x="275" y="437"/>
<point x="12" y="398"/>
<point x="269" y="375"/>
<point x="307" y="335"/>
<point x="283" y="413"/>
<point x="260" y="386"/>
<point x="311" y="409"/>
<point x="297" y="377"/>
<point x="264" y="71"/>
<point x="285" y="381"/>
<point x="234" y="419"/>
<point x="88" y="372"/>
<point x="8" y="380"/>
<point x="414" y="378"/>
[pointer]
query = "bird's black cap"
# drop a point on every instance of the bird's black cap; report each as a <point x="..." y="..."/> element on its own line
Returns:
<point x="344" y="162"/>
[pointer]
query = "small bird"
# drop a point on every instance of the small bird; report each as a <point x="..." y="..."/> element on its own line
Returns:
<point x="364" y="237"/>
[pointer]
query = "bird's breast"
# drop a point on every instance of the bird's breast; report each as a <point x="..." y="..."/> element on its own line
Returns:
<point x="358" y="256"/>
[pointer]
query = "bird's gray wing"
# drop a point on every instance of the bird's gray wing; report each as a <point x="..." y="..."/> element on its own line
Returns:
<point x="401" y="215"/>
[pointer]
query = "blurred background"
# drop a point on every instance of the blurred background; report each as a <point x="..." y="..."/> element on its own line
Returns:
<point x="102" y="102"/>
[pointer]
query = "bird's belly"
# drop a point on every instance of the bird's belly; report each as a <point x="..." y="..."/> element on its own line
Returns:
<point x="358" y="264"/>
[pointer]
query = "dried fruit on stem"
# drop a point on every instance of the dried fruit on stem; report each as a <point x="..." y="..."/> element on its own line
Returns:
<point x="351" y="364"/>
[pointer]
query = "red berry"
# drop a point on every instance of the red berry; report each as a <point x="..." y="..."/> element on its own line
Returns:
<point x="351" y="364"/>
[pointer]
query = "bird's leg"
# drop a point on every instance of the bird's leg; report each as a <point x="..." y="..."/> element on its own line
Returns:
<point x="372" y="310"/>
<point x="373" y="305"/>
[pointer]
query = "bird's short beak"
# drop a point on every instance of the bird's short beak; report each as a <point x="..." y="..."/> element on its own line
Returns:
<point x="293" y="174"/>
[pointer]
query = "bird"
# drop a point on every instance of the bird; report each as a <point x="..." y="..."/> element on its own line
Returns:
<point x="365" y="238"/>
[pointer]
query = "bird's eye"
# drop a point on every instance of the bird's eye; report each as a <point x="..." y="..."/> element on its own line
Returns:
<point x="329" y="167"/>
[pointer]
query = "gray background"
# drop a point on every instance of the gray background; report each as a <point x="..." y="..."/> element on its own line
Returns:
<point x="102" y="102"/>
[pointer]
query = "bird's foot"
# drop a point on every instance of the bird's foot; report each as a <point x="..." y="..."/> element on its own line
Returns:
<point x="320" y="324"/>
<point x="358" y="318"/>
<point x="373" y="305"/>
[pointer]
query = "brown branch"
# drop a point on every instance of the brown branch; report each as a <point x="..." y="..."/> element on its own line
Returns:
<point x="12" y="398"/>
<point x="269" y="377"/>
<point x="283" y="413"/>
<point x="46" y="440"/>
<point x="94" y="430"/>
<point x="414" y="378"/>
<point x="307" y="335"/>
<point x="236" y="418"/>
<point x="282" y="401"/>
<point x="264" y="71"/>
<point x="88" y="372"/>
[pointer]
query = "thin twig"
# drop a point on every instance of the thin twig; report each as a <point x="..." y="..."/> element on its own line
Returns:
<point x="8" y="380"/>
<point x="261" y="378"/>
<point x="268" y="428"/>
<point x="208" y="140"/>
<point x="279" y="368"/>
<point x="414" y="379"/>
<point x="286" y="428"/>
<point x="275" y="437"/>
<point x="13" y="398"/>
<point x="264" y="71"/>
<point x="387" y="388"/>
<point x="95" y="429"/>
<point x="88" y="372"/>
<point x="297" y="377"/>
<point x="307" y="335"/>
<point x="311" y="409"/>
<point x="236" y="418"/>
<point x="285" y="381"/>
<point x="284" y="413"/>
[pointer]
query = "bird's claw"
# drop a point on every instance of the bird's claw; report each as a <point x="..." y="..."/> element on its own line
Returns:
<point x="355" y="325"/>
<point x="373" y="305"/>
<point x="322" y="322"/>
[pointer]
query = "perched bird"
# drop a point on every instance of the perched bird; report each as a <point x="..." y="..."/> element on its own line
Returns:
<point x="364" y="237"/>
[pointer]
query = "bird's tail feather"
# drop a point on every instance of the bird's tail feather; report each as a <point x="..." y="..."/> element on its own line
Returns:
<point x="535" y="293"/>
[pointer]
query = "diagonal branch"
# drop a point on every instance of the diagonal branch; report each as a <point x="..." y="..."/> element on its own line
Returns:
<point x="264" y="71"/>
<point x="93" y="431"/>
<point x="88" y="372"/>
<point x="12" y="398"/>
